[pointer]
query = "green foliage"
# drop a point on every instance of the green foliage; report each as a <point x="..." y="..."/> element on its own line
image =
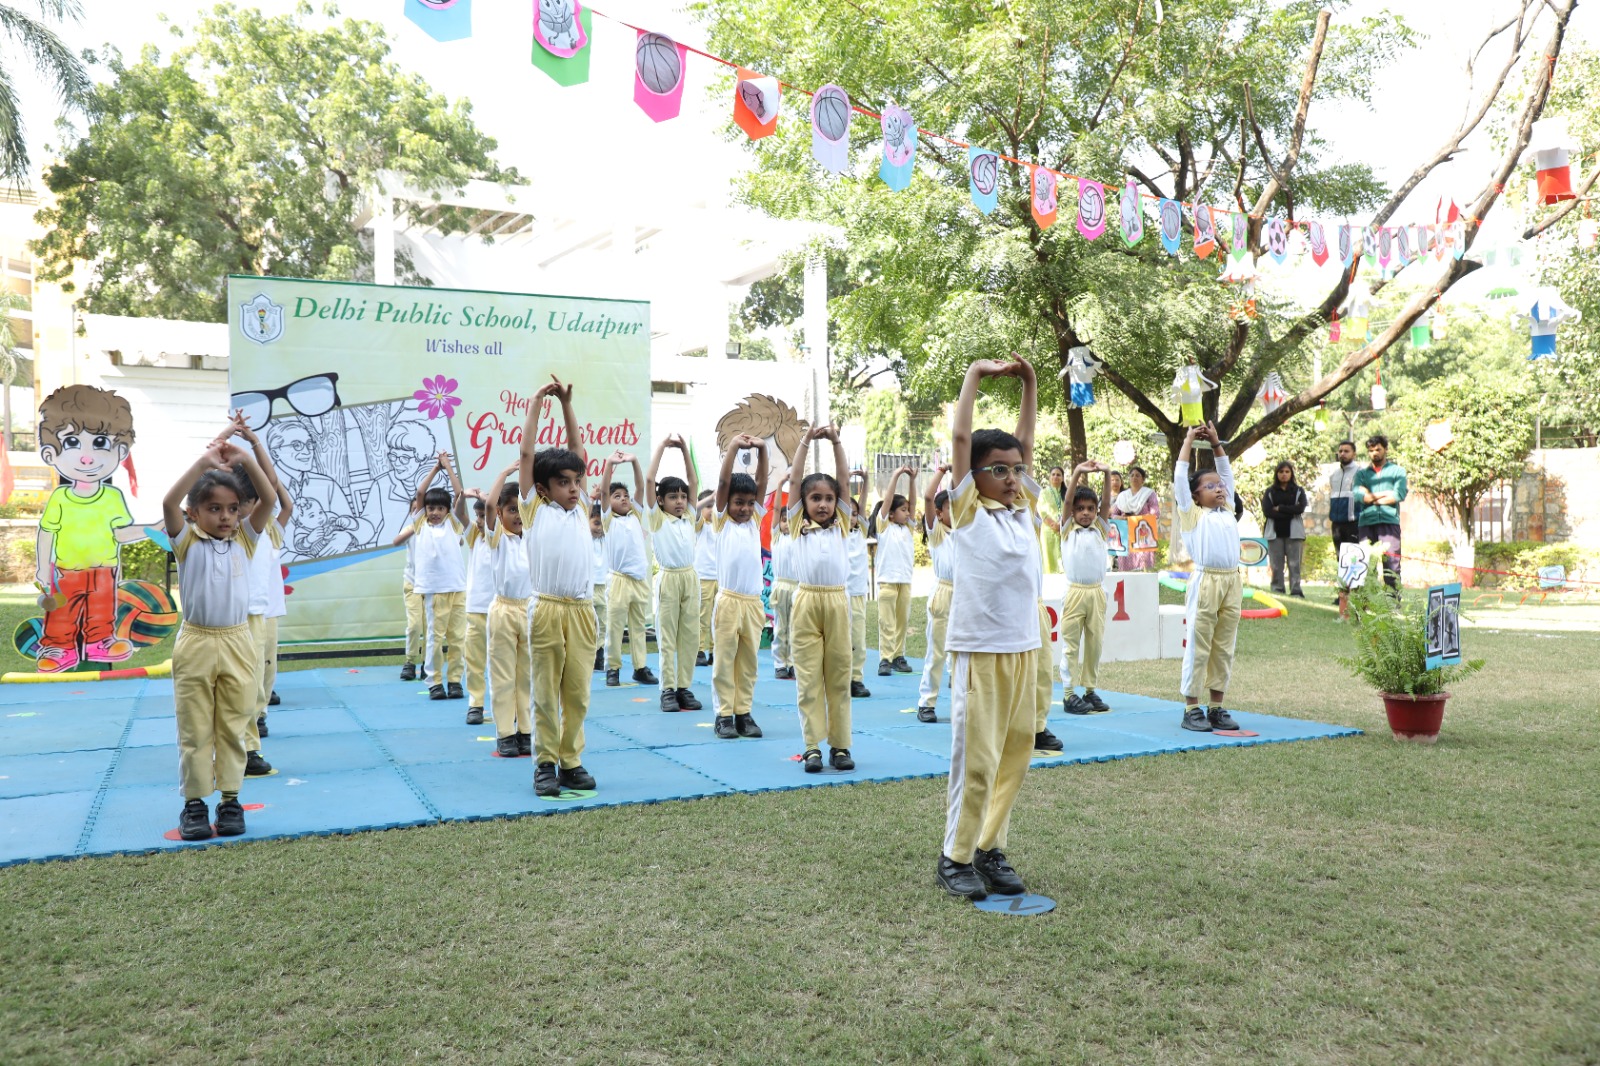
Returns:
<point x="1492" y="422"/>
<point x="1519" y="560"/>
<point x="62" y="70"/>
<point x="1098" y="88"/>
<point x="1390" y="640"/>
<point x="251" y="149"/>
<point x="144" y="560"/>
<point x="1317" y="561"/>
<point x="1297" y="441"/>
<point x="895" y="426"/>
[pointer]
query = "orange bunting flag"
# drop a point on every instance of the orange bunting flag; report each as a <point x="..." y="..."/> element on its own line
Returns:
<point x="1044" y="197"/>
<point x="755" y="104"/>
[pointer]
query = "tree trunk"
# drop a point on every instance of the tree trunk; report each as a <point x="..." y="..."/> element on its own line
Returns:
<point x="1079" y="438"/>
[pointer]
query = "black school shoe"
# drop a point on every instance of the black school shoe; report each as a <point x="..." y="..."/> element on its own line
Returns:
<point x="195" y="821"/>
<point x="545" y="782"/>
<point x="645" y="677"/>
<point x="669" y="701"/>
<point x="436" y="692"/>
<point x="474" y="715"/>
<point x="1044" y="740"/>
<point x="1219" y="718"/>
<point x="812" y="761"/>
<point x="273" y="700"/>
<point x="1072" y="703"/>
<point x="859" y="691"/>
<point x="927" y="714"/>
<point x="998" y="876"/>
<point x="885" y="668"/>
<point x="702" y="659"/>
<point x="725" y="728"/>
<point x="1194" y="718"/>
<point x="261" y="725"/>
<point x="1096" y="704"/>
<point x="613" y="678"/>
<point x="575" y="778"/>
<point x="254" y="766"/>
<point x="901" y="666"/>
<point x="746" y="725"/>
<point x="599" y="659"/>
<point x="524" y="744"/>
<point x="455" y="691"/>
<point x="408" y="672"/>
<point x="506" y="747"/>
<point x="783" y="673"/>
<point x="687" y="702"/>
<point x="230" y="818"/>
<point x="839" y="759"/>
<point x="960" y="879"/>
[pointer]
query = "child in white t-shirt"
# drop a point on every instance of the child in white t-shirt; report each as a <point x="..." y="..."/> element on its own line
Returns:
<point x="628" y="594"/>
<point x="936" y="528"/>
<point x="510" y="650"/>
<point x="1211" y="534"/>
<point x="859" y="585"/>
<point x="480" y="595"/>
<point x="441" y="578"/>
<point x="1084" y="560"/>
<point x="739" y="617"/>
<point x="894" y="560"/>
<point x="705" y="567"/>
<point x="674" y="526"/>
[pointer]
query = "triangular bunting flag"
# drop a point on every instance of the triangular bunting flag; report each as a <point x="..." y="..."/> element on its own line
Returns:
<point x="561" y="30"/>
<point x="1205" y="232"/>
<point x="1132" y="215"/>
<point x="899" y="147"/>
<point x="443" y="20"/>
<point x="983" y="170"/>
<point x="830" y="128"/>
<point x="1091" y="208"/>
<point x="1171" y="225"/>
<point x="658" y="63"/>
<point x="1318" y="241"/>
<point x="1043" y="200"/>
<point x="756" y="99"/>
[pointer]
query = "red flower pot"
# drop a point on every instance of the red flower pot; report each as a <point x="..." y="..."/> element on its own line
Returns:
<point x="1415" y="718"/>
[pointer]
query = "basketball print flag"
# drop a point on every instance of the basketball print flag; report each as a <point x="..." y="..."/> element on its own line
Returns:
<point x="1205" y="232"/>
<point x="1347" y="250"/>
<point x="658" y="75"/>
<point x="561" y="40"/>
<point x="443" y="20"/>
<point x="1241" y="235"/>
<point x="830" y="128"/>
<point x="1132" y="216"/>
<point x="899" y="147"/>
<point x="1091" y="208"/>
<point x="983" y="167"/>
<point x="1043" y="182"/>
<point x="755" y="104"/>
<point x="1171" y="230"/>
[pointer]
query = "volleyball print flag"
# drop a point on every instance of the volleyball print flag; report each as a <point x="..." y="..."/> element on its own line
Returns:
<point x="830" y="128"/>
<point x="983" y="167"/>
<point x="1043" y="182"/>
<point x="561" y="30"/>
<point x="443" y="20"/>
<point x="1091" y="209"/>
<point x="658" y="63"/>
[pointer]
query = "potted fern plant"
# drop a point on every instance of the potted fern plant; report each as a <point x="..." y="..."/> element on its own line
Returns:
<point x="1391" y="656"/>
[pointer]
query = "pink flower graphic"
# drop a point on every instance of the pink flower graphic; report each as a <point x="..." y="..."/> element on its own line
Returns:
<point x="437" y="398"/>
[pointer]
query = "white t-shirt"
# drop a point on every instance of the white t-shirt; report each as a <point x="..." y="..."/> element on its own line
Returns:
<point x="739" y="553"/>
<point x="895" y="554"/>
<point x="625" y="544"/>
<point x="673" y="538"/>
<point x="602" y="565"/>
<point x="560" y="547"/>
<point x="1083" y="552"/>
<point x="705" y="553"/>
<point x="411" y="563"/>
<point x="480" y="574"/>
<point x="997" y="571"/>
<point x="819" y="556"/>
<point x="860" y="563"/>
<point x="440" y="565"/>
<point x="266" y="575"/>
<point x="782" y="551"/>
<point x="213" y="585"/>
<point x="1211" y="536"/>
<point x="509" y="559"/>
<point x="942" y="551"/>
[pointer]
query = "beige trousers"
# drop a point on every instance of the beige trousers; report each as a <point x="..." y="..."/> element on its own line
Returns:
<point x="820" y="642"/>
<point x="213" y="689"/>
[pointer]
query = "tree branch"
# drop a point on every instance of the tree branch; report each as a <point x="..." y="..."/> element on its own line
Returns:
<point x="1582" y="197"/>
<point x="1297" y="137"/>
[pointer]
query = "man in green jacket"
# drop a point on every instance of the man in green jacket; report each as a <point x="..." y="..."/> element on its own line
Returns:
<point x="1380" y="488"/>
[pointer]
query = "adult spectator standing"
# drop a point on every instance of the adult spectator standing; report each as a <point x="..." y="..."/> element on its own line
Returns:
<point x="1380" y="488"/>
<point x="1281" y="507"/>
<point x="1343" y="504"/>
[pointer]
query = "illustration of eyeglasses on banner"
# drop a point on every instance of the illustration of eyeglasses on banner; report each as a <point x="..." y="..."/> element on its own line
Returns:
<point x="309" y="396"/>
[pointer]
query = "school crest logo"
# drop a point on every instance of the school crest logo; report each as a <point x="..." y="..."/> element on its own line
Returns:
<point x="261" y="320"/>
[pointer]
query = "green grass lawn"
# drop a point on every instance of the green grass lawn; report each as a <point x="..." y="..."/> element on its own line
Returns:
<point x="1353" y="900"/>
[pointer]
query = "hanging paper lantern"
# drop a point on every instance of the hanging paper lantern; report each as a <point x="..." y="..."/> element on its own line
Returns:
<point x="1043" y="204"/>
<point x="756" y="99"/>
<point x="1091" y="209"/>
<point x="443" y="20"/>
<point x="1380" y="398"/>
<point x="1171" y="225"/>
<point x="1320" y="421"/>
<point x="983" y="168"/>
<point x="1546" y="312"/>
<point x="830" y="128"/>
<point x="1205" y="232"/>
<point x="1439" y="323"/>
<point x="1422" y="333"/>
<point x="1358" y="312"/>
<point x="1318" y="242"/>
<point x="1333" y="328"/>
<point x="1272" y="394"/>
<point x="658" y="63"/>
<point x="1132" y="215"/>
<point x="561" y="30"/>
<point x="1188" y="387"/>
<point x="1549" y="141"/>
<point x="1080" y="370"/>
<point x="899" y="147"/>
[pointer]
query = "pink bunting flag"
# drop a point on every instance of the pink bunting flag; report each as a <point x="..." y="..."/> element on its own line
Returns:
<point x="658" y="64"/>
<point x="1091" y="208"/>
<point x="1318" y="241"/>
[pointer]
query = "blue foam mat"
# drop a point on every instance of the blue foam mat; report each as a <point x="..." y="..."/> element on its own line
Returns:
<point x="92" y="770"/>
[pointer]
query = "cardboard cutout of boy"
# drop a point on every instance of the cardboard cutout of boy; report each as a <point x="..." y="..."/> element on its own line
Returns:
<point x="84" y="434"/>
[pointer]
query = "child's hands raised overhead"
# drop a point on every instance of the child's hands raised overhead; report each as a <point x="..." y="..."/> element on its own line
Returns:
<point x="558" y="390"/>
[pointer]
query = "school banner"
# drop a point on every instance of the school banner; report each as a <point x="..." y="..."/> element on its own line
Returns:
<point x="354" y="390"/>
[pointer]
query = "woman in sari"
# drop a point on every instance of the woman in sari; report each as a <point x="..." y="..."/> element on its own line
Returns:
<point x="1137" y="499"/>
<point x="1050" y="505"/>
